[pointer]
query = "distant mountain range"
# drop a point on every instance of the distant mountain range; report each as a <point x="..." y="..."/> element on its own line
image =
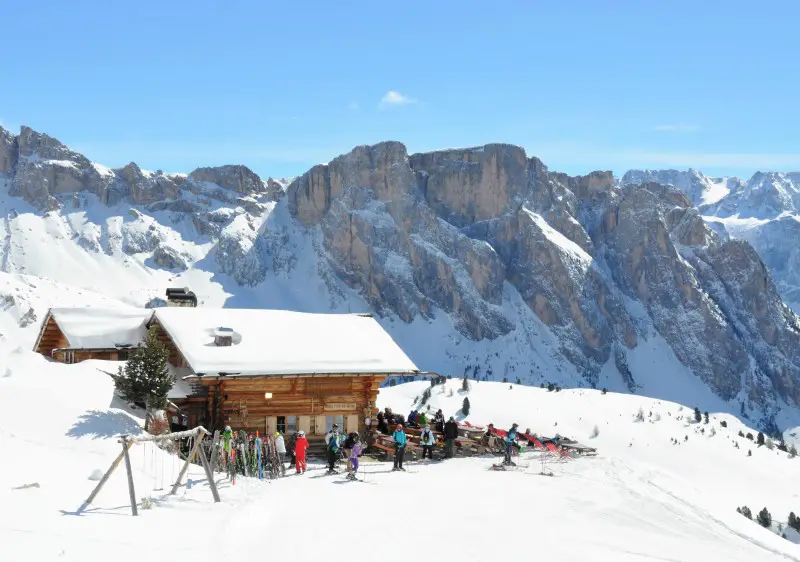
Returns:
<point x="480" y="262"/>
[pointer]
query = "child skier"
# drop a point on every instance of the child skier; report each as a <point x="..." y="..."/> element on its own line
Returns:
<point x="300" y="447"/>
<point x="355" y="452"/>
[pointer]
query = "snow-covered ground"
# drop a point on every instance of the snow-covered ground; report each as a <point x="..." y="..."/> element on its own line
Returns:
<point x="643" y="498"/>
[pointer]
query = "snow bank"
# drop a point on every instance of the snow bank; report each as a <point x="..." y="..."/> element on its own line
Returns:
<point x="283" y="342"/>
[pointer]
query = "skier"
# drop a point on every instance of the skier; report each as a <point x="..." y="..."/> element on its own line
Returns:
<point x="334" y="445"/>
<point x="355" y="452"/>
<point x="422" y="420"/>
<point x="399" y="447"/>
<point x="334" y="429"/>
<point x="427" y="439"/>
<point x="348" y="446"/>
<point x="300" y="447"/>
<point x="511" y="438"/>
<point x="280" y="448"/>
<point x="450" y="434"/>
<point x="438" y="421"/>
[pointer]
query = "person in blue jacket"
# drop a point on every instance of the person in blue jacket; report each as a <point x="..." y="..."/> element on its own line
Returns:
<point x="399" y="438"/>
<point x="511" y="438"/>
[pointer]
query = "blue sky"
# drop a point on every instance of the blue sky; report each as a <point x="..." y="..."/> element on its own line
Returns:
<point x="281" y="86"/>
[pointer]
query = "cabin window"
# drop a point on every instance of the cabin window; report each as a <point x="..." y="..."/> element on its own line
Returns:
<point x="122" y="355"/>
<point x="69" y="357"/>
<point x="330" y="420"/>
<point x="287" y="424"/>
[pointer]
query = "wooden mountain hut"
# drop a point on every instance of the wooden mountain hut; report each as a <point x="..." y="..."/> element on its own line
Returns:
<point x="72" y="335"/>
<point x="277" y="370"/>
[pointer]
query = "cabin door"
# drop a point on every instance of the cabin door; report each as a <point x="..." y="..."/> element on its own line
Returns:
<point x="319" y="426"/>
<point x="304" y="424"/>
<point x="272" y="425"/>
<point x="351" y="423"/>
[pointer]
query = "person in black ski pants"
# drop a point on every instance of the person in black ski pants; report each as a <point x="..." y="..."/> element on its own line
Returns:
<point x="450" y="435"/>
<point x="399" y="437"/>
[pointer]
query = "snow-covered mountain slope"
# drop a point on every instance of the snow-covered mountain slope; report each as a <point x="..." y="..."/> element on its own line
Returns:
<point x="651" y="493"/>
<point x="515" y="272"/>
<point x="698" y="188"/>
<point x="763" y="210"/>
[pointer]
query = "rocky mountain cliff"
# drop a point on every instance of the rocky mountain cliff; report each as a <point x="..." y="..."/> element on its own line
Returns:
<point x="479" y="261"/>
<point x="764" y="210"/>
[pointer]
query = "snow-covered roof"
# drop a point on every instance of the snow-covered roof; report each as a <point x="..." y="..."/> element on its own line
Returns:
<point x="102" y="328"/>
<point x="268" y="342"/>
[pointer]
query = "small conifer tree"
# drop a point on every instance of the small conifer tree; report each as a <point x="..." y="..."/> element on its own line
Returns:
<point x="465" y="384"/>
<point x="744" y="510"/>
<point x="794" y="521"/>
<point x="697" y="415"/>
<point x="705" y="417"/>
<point x="764" y="518"/>
<point x="723" y="423"/>
<point x="146" y="378"/>
<point x="760" y="439"/>
<point x="465" y="406"/>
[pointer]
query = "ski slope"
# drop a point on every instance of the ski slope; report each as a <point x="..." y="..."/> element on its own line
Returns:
<point x="642" y="498"/>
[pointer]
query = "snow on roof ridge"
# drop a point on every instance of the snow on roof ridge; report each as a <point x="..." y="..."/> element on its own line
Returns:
<point x="272" y="342"/>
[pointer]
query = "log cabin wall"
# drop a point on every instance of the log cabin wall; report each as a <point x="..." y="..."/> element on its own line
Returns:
<point x="51" y="338"/>
<point x="313" y="400"/>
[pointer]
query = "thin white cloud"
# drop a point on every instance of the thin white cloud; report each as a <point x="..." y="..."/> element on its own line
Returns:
<point x="395" y="99"/>
<point x="676" y="128"/>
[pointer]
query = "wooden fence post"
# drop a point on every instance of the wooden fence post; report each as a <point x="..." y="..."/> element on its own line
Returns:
<point x="210" y="475"/>
<point x="105" y="478"/>
<point x="189" y="459"/>
<point x="131" y="491"/>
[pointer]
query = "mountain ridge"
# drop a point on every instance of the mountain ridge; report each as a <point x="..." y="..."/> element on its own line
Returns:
<point x="520" y="272"/>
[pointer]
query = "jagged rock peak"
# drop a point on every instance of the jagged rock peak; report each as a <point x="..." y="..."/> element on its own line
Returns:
<point x="236" y="177"/>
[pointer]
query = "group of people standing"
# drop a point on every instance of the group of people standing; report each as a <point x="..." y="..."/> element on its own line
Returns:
<point x="352" y="445"/>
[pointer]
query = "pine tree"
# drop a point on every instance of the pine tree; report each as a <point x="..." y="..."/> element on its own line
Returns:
<point x="744" y="510"/>
<point x="146" y="378"/>
<point x="792" y="451"/>
<point x="723" y="423"/>
<point x="764" y="518"/>
<point x="465" y="384"/>
<point x="697" y="415"/>
<point x="760" y="439"/>
<point x="794" y="521"/>
<point x="705" y="417"/>
<point x="465" y="406"/>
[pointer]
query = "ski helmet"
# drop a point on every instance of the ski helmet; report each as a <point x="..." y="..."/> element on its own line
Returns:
<point x="301" y="433"/>
<point x="277" y="434"/>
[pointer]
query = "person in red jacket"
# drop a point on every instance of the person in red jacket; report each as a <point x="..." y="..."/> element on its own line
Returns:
<point x="300" y="446"/>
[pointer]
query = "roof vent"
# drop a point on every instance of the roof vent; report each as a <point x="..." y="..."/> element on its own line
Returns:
<point x="223" y="337"/>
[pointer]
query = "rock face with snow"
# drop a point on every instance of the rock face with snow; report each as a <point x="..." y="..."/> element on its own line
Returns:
<point x="446" y="230"/>
<point x="763" y="210"/>
<point x="698" y="188"/>
<point x="40" y="168"/>
<point x="485" y="241"/>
